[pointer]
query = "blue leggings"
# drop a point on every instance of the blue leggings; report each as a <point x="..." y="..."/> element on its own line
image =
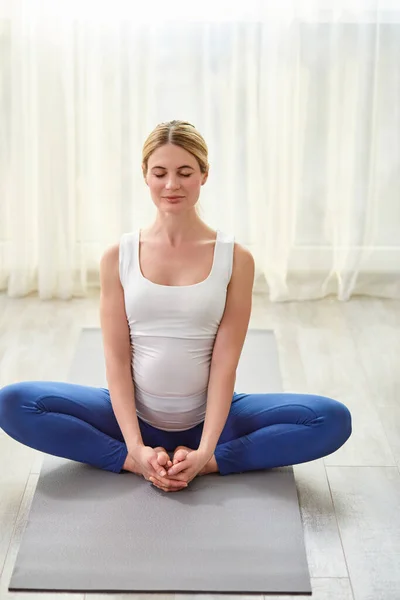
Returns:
<point x="262" y="431"/>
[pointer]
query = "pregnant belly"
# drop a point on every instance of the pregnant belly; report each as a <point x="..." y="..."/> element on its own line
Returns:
<point x="171" y="367"/>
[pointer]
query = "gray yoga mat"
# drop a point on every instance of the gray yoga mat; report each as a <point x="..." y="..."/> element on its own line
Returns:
<point x="95" y="531"/>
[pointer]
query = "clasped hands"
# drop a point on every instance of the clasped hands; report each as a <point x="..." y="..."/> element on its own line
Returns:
<point x="183" y="471"/>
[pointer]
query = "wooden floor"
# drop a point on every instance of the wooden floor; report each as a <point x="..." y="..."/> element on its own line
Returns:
<point x="350" y="501"/>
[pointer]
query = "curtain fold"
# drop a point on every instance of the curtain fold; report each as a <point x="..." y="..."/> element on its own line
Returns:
<point x="299" y="105"/>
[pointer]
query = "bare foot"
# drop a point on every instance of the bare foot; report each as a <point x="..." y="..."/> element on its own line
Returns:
<point x="181" y="453"/>
<point x="163" y="457"/>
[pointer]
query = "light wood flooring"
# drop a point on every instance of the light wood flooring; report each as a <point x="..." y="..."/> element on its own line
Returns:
<point x="350" y="501"/>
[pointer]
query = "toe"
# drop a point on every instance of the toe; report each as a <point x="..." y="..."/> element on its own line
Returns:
<point x="180" y="455"/>
<point x="162" y="457"/>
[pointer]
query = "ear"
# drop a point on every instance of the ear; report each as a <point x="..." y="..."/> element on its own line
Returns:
<point x="144" y="175"/>
<point x="205" y="177"/>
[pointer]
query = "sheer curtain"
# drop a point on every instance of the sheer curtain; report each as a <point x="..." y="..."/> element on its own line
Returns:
<point x="299" y="103"/>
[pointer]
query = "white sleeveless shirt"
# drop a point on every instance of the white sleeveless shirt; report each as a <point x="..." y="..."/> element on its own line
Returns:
<point x="172" y="333"/>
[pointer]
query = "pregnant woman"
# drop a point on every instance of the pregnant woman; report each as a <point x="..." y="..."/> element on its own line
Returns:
<point x="175" y="306"/>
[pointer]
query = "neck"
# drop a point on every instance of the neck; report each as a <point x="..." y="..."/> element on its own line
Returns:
<point x="176" y="229"/>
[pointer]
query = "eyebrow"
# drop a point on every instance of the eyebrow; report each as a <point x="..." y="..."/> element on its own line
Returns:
<point x="182" y="167"/>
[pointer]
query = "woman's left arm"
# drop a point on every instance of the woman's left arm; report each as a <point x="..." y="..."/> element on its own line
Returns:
<point x="227" y="349"/>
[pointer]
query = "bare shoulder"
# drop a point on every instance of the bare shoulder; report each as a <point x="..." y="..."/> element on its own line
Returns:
<point x="242" y="257"/>
<point x="109" y="262"/>
<point x="111" y="253"/>
<point x="243" y="266"/>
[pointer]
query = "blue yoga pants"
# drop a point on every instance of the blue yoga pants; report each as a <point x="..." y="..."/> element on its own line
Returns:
<point x="262" y="431"/>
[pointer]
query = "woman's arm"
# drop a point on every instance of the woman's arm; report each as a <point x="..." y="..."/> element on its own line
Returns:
<point x="117" y="349"/>
<point x="227" y="349"/>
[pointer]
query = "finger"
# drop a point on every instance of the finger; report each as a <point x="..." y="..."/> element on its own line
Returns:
<point x="159" y="487"/>
<point x="168" y="483"/>
<point x="158" y="469"/>
<point x="164" y="489"/>
<point x="177" y="468"/>
<point x="156" y="483"/>
<point x="180" y="477"/>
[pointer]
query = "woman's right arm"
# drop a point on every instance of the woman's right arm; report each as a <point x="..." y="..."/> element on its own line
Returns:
<point x="117" y="348"/>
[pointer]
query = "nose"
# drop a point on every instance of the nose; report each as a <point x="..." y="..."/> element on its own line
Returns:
<point x="172" y="183"/>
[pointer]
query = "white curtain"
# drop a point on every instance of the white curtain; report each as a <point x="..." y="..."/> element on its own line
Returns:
<point x="299" y="103"/>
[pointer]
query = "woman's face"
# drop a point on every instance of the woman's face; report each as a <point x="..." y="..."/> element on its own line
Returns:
<point x="172" y="171"/>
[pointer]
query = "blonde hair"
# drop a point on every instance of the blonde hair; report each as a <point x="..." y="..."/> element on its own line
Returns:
<point x="180" y="133"/>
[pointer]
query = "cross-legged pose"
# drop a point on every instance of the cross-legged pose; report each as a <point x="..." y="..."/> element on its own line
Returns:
<point x="175" y="306"/>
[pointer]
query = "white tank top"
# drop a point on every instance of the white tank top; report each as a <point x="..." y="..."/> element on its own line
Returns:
<point x="172" y="333"/>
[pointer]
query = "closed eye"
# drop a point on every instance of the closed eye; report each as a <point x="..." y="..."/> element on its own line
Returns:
<point x="182" y="175"/>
